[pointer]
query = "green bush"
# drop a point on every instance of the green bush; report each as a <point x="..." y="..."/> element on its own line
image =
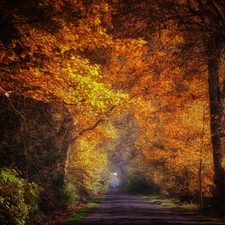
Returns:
<point x="69" y="195"/>
<point x="31" y="196"/>
<point x="18" y="199"/>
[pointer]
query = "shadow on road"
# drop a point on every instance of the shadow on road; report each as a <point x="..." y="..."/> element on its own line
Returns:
<point x="122" y="208"/>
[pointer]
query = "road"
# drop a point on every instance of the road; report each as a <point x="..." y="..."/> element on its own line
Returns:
<point x="122" y="208"/>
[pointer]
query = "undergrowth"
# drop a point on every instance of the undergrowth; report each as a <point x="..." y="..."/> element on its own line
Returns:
<point x="76" y="215"/>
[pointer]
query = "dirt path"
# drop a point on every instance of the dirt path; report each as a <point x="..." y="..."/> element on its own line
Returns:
<point x="122" y="208"/>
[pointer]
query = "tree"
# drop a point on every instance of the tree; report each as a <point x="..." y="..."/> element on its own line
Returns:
<point x="137" y="68"/>
<point x="200" y="24"/>
<point x="45" y="62"/>
<point x="207" y="20"/>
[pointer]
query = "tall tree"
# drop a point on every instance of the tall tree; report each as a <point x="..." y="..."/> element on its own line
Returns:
<point x="201" y="26"/>
<point x="207" y="19"/>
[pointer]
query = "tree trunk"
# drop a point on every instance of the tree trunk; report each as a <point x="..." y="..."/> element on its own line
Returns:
<point x="200" y="184"/>
<point x="216" y="121"/>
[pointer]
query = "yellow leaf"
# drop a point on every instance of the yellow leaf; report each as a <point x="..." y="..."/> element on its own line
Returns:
<point x="97" y="21"/>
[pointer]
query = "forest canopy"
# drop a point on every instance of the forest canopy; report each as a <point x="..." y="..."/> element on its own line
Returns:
<point x="91" y="87"/>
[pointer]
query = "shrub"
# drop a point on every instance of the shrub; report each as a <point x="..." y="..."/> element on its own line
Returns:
<point x="69" y="195"/>
<point x="18" y="199"/>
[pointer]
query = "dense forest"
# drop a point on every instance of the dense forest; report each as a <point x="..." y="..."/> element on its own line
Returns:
<point x="93" y="87"/>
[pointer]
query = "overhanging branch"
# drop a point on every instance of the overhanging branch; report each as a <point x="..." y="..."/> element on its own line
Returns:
<point x="101" y="119"/>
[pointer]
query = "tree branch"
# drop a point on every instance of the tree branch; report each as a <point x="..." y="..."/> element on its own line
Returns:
<point x="101" y="119"/>
<point x="3" y="91"/>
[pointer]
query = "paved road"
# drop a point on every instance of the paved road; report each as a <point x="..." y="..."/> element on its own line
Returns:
<point x="123" y="208"/>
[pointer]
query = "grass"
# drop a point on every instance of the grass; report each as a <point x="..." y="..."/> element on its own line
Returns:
<point x="172" y="203"/>
<point x="184" y="208"/>
<point x="77" y="215"/>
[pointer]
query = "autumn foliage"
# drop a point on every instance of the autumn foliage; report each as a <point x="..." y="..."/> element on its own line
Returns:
<point x="134" y="79"/>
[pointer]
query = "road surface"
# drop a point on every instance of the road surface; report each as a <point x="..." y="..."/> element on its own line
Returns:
<point x="122" y="208"/>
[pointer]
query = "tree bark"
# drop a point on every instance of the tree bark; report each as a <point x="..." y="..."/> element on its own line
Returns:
<point x="200" y="184"/>
<point x="216" y="120"/>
